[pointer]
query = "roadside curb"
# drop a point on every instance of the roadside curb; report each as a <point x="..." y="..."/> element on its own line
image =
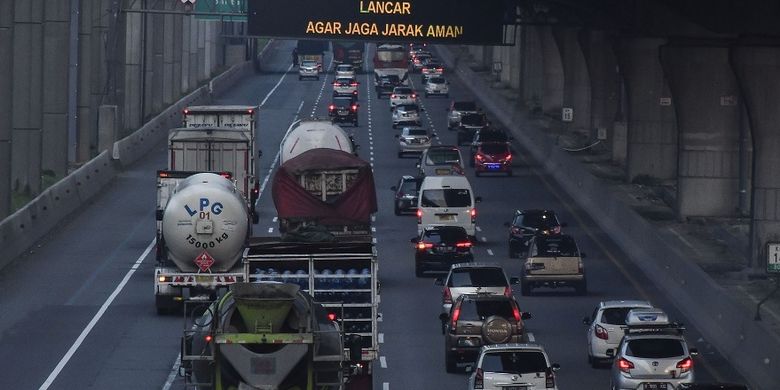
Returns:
<point x="750" y="346"/>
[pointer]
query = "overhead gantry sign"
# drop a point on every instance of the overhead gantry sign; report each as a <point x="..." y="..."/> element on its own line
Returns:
<point x="478" y="22"/>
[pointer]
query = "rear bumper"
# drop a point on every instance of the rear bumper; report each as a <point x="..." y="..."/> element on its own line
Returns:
<point x="554" y="279"/>
<point x="412" y="148"/>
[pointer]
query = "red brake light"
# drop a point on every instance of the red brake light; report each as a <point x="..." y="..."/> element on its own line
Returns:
<point x="419" y="216"/>
<point x="508" y="291"/>
<point x="250" y="111"/>
<point x="479" y="379"/>
<point x="508" y="156"/>
<point x="473" y="215"/>
<point x="392" y="96"/>
<point x="335" y="83"/>
<point x="446" y="295"/>
<point x="414" y="96"/>
<point x="516" y="312"/>
<point x="424" y="245"/>
<point x="354" y="107"/>
<point x="332" y="317"/>
<point x="556" y="230"/>
<point x="208" y="338"/>
<point x="601" y="332"/>
<point x="455" y="316"/>
<point x="332" y="107"/>
<point x="480" y="157"/>
<point x="353" y="85"/>
<point x="186" y="112"/>
<point x="624" y="365"/>
<point x="463" y="244"/>
<point x="685" y="365"/>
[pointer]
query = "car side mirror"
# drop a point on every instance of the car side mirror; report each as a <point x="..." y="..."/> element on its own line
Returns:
<point x="526" y="315"/>
<point x="586" y="321"/>
<point x="393" y="188"/>
<point x="438" y="282"/>
<point x="555" y="366"/>
<point x="478" y="199"/>
<point x="414" y="240"/>
<point x="514" y="280"/>
<point x="507" y="224"/>
<point x="610" y="353"/>
<point x="694" y="351"/>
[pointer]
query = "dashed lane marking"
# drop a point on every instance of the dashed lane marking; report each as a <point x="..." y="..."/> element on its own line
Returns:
<point x="531" y="337"/>
<point x="381" y="338"/>
<point x="479" y="229"/>
<point x="383" y="362"/>
<point x="270" y="230"/>
<point x="483" y="239"/>
<point x="490" y="252"/>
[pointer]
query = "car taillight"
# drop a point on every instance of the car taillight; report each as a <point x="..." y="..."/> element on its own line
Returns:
<point x="419" y="216"/>
<point x="332" y="107"/>
<point x="446" y="295"/>
<point x="473" y="215"/>
<point x="424" y="245"/>
<point x="580" y="266"/>
<point x="354" y="107"/>
<point x="624" y="365"/>
<point x="601" y="332"/>
<point x="516" y="312"/>
<point x="556" y="230"/>
<point x="336" y="84"/>
<point x="479" y="379"/>
<point x="508" y="157"/>
<point x="685" y="365"/>
<point x="479" y="157"/>
<point x="353" y="85"/>
<point x="392" y="96"/>
<point x="516" y="230"/>
<point x="549" y="379"/>
<point x="508" y="291"/>
<point x="414" y="96"/>
<point x="466" y="244"/>
<point x="455" y="315"/>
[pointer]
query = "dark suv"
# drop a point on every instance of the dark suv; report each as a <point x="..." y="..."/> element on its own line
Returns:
<point x="439" y="247"/>
<point x="469" y="124"/>
<point x="385" y="84"/>
<point x="406" y="194"/>
<point x="477" y="320"/>
<point x="344" y="109"/>
<point x="528" y="223"/>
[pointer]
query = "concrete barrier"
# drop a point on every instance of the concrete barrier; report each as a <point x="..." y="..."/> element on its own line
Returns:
<point x="750" y="346"/>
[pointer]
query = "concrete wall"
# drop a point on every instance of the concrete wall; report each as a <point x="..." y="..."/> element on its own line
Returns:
<point x="6" y="96"/>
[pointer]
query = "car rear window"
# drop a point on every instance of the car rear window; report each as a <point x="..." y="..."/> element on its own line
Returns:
<point x="478" y="310"/>
<point x="465" y="106"/>
<point x="447" y="197"/>
<point x="557" y="247"/>
<point x="409" y="107"/>
<point x="539" y="220"/>
<point x="477" y="277"/>
<point x="404" y="91"/>
<point x="410" y="187"/>
<point x="417" y="132"/>
<point x="342" y="102"/>
<point x="473" y="120"/>
<point x="514" y="362"/>
<point x="495" y="148"/>
<point x="436" y="80"/>
<point x="615" y="316"/>
<point x="442" y="156"/>
<point x="451" y="236"/>
<point x="655" y="348"/>
<point x="493" y="136"/>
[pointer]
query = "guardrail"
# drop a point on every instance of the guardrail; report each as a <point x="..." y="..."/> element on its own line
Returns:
<point x="750" y="346"/>
<point x="22" y="229"/>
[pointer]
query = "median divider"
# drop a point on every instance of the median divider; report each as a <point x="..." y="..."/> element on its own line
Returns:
<point x="750" y="346"/>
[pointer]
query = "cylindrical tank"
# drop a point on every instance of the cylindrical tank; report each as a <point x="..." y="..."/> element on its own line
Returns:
<point x="310" y="134"/>
<point x="205" y="224"/>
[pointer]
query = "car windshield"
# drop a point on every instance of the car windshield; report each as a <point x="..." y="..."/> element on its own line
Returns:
<point x="478" y="310"/>
<point x="464" y="106"/>
<point x="442" y="156"/>
<point x="342" y="102"/>
<point x="389" y="79"/>
<point x="417" y="132"/>
<point x="615" y="315"/>
<point x="495" y="149"/>
<point x="538" y="220"/>
<point x="477" y="277"/>
<point x="514" y="362"/>
<point x="655" y="348"/>
<point x="557" y="247"/>
<point x="344" y="68"/>
<point x="449" y="236"/>
<point x="403" y="91"/>
<point x="447" y="197"/>
<point x="436" y="80"/>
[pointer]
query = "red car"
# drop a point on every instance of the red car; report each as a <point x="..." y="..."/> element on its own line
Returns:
<point x="493" y="157"/>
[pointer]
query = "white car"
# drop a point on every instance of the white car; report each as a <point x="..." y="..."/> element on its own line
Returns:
<point x="437" y="86"/>
<point x="413" y="140"/>
<point x="606" y="326"/>
<point x="653" y="354"/>
<point x="406" y="114"/>
<point x="513" y="367"/>
<point x="402" y="95"/>
<point x="345" y="86"/>
<point x="308" y="69"/>
<point x="473" y="278"/>
<point x="345" y="71"/>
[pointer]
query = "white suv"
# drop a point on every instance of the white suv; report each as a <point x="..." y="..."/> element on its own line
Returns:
<point x="513" y="366"/>
<point x="473" y="278"/>
<point x="605" y="327"/>
<point x="437" y="86"/>
<point x="653" y="354"/>
<point x="308" y="69"/>
<point x="345" y="71"/>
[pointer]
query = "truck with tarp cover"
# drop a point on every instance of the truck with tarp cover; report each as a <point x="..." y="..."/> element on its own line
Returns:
<point x="348" y="52"/>
<point x="391" y="60"/>
<point x="312" y="50"/>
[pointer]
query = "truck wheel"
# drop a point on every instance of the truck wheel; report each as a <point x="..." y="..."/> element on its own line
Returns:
<point x="450" y="363"/>
<point x="162" y="305"/>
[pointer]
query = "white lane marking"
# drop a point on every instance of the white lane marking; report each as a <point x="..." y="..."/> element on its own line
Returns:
<point x="373" y="218"/>
<point x="172" y="375"/>
<point x="84" y="333"/>
<point x="479" y="229"/>
<point x="490" y="252"/>
<point x="373" y="240"/>
<point x="278" y="83"/>
<point x="276" y="219"/>
<point x="381" y="338"/>
<point x="385" y="386"/>
<point x="373" y="229"/>
<point x="484" y="239"/>
<point x="383" y="362"/>
<point x="270" y="230"/>
<point x="531" y="337"/>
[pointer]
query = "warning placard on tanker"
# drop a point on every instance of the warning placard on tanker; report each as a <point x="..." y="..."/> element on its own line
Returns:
<point x="477" y="22"/>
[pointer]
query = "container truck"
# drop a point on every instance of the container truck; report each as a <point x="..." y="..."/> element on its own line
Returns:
<point x="391" y="60"/>
<point x="307" y="134"/>
<point x="348" y="52"/>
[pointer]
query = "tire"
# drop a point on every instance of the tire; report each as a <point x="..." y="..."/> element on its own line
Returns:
<point x="525" y="289"/>
<point x="477" y="173"/>
<point x="581" y="288"/>
<point x="450" y="364"/>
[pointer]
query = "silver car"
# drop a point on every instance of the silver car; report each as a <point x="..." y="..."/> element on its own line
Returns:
<point x="308" y="69"/>
<point x="440" y="160"/>
<point x="513" y="366"/>
<point x="606" y="325"/>
<point x="413" y="140"/>
<point x="406" y="114"/>
<point x="653" y="354"/>
<point x="402" y="95"/>
<point x="345" y="71"/>
<point x="437" y="86"/>
<point x="474" y="278"/>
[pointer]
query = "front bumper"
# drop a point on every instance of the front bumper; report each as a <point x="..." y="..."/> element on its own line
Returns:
<point x="554" y="280"/>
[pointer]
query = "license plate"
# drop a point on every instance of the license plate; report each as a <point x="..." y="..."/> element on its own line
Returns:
<point x="342" y="112"/>
<point x="655" y="386"/>
<point x="514" y="388"/>
<point x="446" y="249"/>
<point x="493" y="166"/>
<point x="446" y="217"/>
<point x="444" y="171"/>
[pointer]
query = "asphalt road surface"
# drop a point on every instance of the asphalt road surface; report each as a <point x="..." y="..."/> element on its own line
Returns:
<point x="78" y="310"/>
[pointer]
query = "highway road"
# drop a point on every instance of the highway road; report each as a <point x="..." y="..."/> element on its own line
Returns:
<point x="78" y="310"/>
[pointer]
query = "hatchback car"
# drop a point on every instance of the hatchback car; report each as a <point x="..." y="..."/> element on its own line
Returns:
<point x="513" y="366"/>
<point x="440" y="160"/>
<point x="345" y="86"/>
<point x="493" y="158"/>
<point x="528" y="223"/>
<point x="457" y="110"/>
<point x="402" y="95"/>
<point x="653" y="354"/>
<point x="605" y="327"/>
<point x="406" y="114"/>
<point x="345" y="71"/>
<point x="308" y="69"/>
<point x="478" y="320"/>
<point x="553" y="261"/>
<point x="406" y="193"/>
<point x="437" y="86"/>
<point x="473" y="278"/>
<point x="413" y="140"/>
<point x="439" y="247"/>
<point x="343" y="109"/>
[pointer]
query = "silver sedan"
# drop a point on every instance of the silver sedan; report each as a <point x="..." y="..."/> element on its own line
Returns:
<point x="413" y="140"/>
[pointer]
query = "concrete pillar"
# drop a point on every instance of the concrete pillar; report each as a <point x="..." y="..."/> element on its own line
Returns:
<point x="6" y="105"/>
<point x="107" y="127"/>
<point x="196" y="62"/>
<point x="156" y="66"/>
<point x="54" y="157"/>
<point x="186" y="25"/>
<point x="176" y="77"/>
<point x="133" y="59"/>
<point x="27" y="96"/>
<point x="168" y="55"/>
<point x="87" y="135"/>
<point x="552" y="75"/>
<point x="651" y="120"/>
<point x="576" y="87"/>
<point x="604" y="87"/>
<point x="203" y="60"/>
<point x="99" y="93"/>
<point x="706" y="98"/>
<point x="514" y="61"/>
<point x="758" y="72"/>
<point x="532" y="77"/>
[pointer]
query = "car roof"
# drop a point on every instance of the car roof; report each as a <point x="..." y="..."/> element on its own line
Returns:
<point x="513" y="346"/>
<point x="624" y="303"/>
<point x="475" y="265"/>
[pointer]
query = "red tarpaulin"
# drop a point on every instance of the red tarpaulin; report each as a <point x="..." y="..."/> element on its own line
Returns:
<point x="354" y="206"/>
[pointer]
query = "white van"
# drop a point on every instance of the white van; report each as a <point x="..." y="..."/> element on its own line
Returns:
<point x="447" y="200"/>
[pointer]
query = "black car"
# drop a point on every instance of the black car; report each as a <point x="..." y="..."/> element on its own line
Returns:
<point x="406" y="194"/>
<point x="469" y="124"/>
<point x="385" y="85"/>
<point x="528" y="223"/>
<point x="439" y="247"/>
<point x="344" y="109"/>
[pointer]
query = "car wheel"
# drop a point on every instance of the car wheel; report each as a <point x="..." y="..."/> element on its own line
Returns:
<point x="452" y="367"/>
<point x="525" y="289"/>
<point x="418" y="270"/>
<point x="595" y="363"/>
<point x="581" y="288"/>
<point x="477" y="173"/>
